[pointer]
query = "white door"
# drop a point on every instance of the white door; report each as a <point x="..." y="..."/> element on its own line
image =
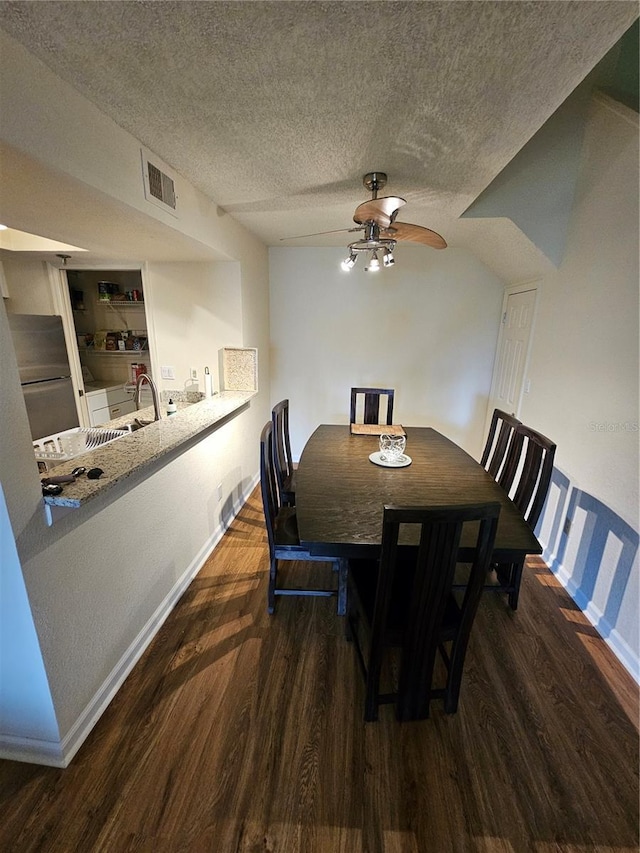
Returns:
<point x="513" y="351"/>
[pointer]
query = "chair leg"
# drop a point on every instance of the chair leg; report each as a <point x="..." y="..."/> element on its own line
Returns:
<point x="452" y="690"/>
<point x="343" y="573"/>
<point x="348" y="627"/>
<point x="271" y="594"/>
<point x="516" y="577"/>
<point x="371" y="699"/>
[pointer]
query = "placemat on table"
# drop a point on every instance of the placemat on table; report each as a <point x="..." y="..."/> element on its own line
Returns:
<point x="377" y="429"/>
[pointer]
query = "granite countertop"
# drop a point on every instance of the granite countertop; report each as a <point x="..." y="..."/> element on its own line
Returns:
<point x="131" y="453"/>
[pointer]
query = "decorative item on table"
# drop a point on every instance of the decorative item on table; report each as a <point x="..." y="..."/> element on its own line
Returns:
<point x="376" y="429"/>
<point x="392" y="447"/>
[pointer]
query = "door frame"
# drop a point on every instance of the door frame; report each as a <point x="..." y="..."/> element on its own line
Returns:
<point x="511" y="289"/>
<point x="59" y="288"/>
<point x="62" y="306"/>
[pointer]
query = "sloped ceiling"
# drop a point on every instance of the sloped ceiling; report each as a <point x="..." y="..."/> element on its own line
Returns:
<point x="275" y="110"/>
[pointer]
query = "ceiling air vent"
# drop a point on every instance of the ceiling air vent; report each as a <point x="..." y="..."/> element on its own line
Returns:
<point x="159" y="187"/>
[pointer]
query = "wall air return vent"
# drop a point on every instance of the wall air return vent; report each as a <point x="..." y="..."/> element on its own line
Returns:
<point x="159" y="187"/>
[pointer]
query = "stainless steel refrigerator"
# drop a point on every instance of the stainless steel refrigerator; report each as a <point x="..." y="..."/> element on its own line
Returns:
<point x="45" y="374"/>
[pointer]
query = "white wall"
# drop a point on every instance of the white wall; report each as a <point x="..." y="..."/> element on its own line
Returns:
<point x="28" y="286"/>
<point x="426" y="327"/>
<point x="25" y="689"/>
<point x="196" y="310"/>
<point x="98" y="580"/>
<point x="584" y="385"/>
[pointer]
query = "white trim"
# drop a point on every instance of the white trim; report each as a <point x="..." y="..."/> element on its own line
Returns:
<point x="4" y="290"/>
<point x="618" y="645"/>
<point x="150" y="314"/>
<point x="59" y="288"/>
<point x="60" y="754"/>
<point x="92" y="264"/>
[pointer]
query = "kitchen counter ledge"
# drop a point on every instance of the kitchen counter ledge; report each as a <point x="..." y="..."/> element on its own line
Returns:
<point x="132" y="453"/>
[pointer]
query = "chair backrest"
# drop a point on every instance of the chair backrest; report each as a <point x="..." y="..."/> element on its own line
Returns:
<point x="430" y="589"/>
<point x="282" y="459"/>
<point x="495" y="449"/>
<point x="372" y="404"/>
<point x="527" y="471"/>
<point x="268" y="485"/>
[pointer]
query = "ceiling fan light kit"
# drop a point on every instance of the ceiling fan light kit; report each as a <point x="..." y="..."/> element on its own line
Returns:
<point x="377" y="218"/>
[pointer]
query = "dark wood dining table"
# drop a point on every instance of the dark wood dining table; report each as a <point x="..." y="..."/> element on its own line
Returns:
<point x="341" y="494"/>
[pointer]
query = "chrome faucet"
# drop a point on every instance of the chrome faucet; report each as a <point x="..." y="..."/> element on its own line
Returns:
<point x="154" y="393"/>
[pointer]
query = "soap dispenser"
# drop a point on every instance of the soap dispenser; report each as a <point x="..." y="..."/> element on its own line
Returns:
<point x="171" y="407"/>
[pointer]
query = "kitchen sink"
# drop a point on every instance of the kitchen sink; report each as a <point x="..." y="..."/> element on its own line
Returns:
<point x="136" y="424"/>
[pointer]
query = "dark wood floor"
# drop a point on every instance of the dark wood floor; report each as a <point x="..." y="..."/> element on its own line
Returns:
<point x="243" y="732"/>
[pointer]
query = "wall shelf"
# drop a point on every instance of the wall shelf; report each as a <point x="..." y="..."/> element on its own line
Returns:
<point x="124" y="303"/>
<point x="132" y="353"/>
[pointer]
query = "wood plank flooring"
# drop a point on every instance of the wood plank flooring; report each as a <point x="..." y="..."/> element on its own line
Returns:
<point x="242" y="732"/>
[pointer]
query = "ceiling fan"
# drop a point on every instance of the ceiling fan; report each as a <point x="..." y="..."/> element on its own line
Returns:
<point x="377" y="218"/>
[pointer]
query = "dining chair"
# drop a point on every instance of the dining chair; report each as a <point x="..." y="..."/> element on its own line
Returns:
<point x="372" y="401"/>
<point x="406" y="600"/>
<point x="497" y="444"/>
<point x="525" y="477"/>
<point x="282" y="459"/>
<point x="282" y="535"/>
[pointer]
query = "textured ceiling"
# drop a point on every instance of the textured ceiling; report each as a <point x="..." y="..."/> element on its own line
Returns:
<point x="275" y="110"/>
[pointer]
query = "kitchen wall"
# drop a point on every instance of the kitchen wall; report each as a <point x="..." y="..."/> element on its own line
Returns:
<point x="426" y="327"/>
<point x="100" y="581"/>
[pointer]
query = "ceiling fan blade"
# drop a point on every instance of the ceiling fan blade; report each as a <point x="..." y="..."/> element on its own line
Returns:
<point x="320" y="233"/>
<point x="414" y="234"/>
<point x="378" y="210"/>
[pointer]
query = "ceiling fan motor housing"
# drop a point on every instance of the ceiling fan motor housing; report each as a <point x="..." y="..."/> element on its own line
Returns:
<point x="375" y="181"/>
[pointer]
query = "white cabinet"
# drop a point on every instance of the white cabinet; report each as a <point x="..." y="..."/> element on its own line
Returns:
<point x="106" y="404"/>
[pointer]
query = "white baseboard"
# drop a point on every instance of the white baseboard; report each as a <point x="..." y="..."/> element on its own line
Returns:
<point x="60" y="753"/>
<point x="625" y="654"/>
<point x="32" y="751"/>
